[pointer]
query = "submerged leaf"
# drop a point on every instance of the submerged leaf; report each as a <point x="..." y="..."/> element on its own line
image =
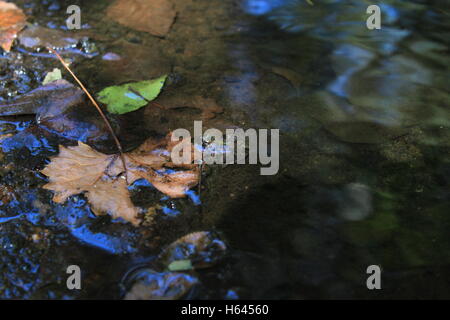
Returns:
<point x="131" y="96"/>
<point x="152" y="16"/>
<point x="12" y="20"/>
<point x="52" y="76"/>
<point x="81" y="169"/>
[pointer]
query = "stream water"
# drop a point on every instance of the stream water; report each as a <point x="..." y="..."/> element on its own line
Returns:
<point x="364" y="177"/>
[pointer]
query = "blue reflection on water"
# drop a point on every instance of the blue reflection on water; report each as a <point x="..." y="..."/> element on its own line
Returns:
<point x="7" y="219"/>
<point x="103" y="241"/>
<point x="260" y="7"/>
<point x="19" y="125"/>
<point x="78" y="218"/>
<point x="27" y="140"/>
<point x="170" y="212"/>
<point x="390" y="14"/>
<point x="140" y="183"/>
<point x="194" y="197"/>
<point x="73" y="215"/>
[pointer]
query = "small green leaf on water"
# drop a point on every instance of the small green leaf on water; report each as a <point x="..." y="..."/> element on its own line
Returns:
<point x="131" y="96"/>
<point x="52" y="76"/>
<point x="180" y="265"/>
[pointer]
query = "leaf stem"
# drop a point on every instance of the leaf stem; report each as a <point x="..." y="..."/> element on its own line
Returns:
<point x="108" y="124"/>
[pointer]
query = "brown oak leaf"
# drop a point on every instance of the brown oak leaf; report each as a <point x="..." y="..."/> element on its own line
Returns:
<point x="12" y="20"/>
<point x="81" y="169"/>
<point x="152" y="16"/>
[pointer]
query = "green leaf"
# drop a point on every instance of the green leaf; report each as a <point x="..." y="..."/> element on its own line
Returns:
<point x="131" y="96"/>
<point x="52" y="76"/>
<point x="180" y="265"/>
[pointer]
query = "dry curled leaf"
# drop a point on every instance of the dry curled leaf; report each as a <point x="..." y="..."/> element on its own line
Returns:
<point x="12" y="20"/>
<point x="101" y="177"/>
<point x="152" y="16"/>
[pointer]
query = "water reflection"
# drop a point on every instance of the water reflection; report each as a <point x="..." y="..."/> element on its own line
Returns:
<point x="260" y="7"/>
<point x="376" y="164"/>
<point x="365" y="176"/>
<point x="384" y="80"/>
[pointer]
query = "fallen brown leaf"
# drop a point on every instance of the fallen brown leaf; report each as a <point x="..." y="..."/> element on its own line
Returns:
<point x="152" y="16"/>
<point x="12" y="20"/>
<point x="101" y="177"/>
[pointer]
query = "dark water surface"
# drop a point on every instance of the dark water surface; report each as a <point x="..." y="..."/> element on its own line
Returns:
<point x="364" y="178"/>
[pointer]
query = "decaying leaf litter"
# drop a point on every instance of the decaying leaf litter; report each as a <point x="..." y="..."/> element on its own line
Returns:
<point x="102" y="177"/>
<point x="105" y="189"/>
<point x="155" y="17"/>
<point x="242" y="61"/>
<point x="12" y="20"/>
<point x="55" y="96"/>
<point x="67" y="172"/>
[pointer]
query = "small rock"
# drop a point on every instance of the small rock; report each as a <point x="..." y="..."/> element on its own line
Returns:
<point x="150" y="285"/>
<point x="202" y="249"/>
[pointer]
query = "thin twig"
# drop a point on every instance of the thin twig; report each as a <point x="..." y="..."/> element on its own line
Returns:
<point x="108" y="124"/>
